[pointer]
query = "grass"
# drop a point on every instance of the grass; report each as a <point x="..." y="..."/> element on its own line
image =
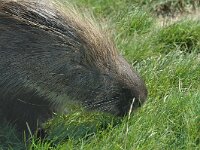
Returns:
<point x="168" y="59"/>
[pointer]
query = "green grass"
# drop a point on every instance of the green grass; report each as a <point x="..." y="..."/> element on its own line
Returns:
<point x="168" y="59"/>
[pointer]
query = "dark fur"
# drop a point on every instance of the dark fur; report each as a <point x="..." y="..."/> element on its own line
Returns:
<point x="50" y="61"/>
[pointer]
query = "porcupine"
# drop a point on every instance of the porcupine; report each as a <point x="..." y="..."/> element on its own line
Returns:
<point x="52" y="57"/>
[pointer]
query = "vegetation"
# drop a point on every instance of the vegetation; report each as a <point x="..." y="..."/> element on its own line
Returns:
<point x="168" y="58"/>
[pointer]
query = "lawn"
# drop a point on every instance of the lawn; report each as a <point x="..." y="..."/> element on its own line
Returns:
<point x="161" y="39"/>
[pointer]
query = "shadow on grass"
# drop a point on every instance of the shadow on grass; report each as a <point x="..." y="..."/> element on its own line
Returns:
<point x="78" y="126"/>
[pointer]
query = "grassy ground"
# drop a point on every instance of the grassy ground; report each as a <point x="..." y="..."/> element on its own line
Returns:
<point x="166" y="52"/>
